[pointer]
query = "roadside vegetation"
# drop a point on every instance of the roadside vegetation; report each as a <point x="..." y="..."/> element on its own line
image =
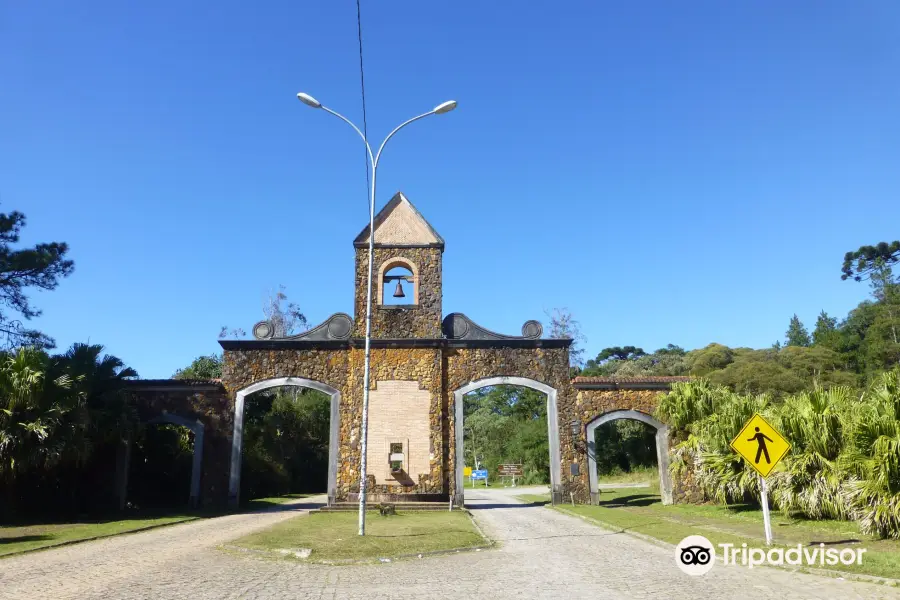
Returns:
<point x="641" y="512"/>
<point x="845" y="457"/>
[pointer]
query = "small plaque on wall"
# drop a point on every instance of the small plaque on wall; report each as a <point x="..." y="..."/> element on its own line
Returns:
<point x="574" y="469"/>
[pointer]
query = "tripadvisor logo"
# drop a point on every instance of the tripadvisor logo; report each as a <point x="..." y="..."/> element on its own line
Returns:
<point x="695" y="555"/>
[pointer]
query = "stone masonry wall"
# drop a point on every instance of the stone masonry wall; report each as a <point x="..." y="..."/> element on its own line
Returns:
<point x="210" y="407"/>
<point x="585" y="406"/>
<point x="241" y="369"/>
<point x="420" y="321"/>
<point x="465" y="365"/>
<point x="343" y="369"/>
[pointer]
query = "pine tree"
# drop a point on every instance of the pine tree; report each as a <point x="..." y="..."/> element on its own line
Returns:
<point x="825" y="333"/>
<point x="797" y="335"/>
<point x="37" y="267"/>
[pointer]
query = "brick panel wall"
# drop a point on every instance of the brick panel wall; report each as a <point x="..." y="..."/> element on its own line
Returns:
<point x="398" y="412"/>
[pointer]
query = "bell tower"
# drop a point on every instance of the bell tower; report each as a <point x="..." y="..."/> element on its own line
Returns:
<point x="407" y="289"/>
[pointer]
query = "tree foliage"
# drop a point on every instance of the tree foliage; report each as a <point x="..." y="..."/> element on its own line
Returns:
<point x="286" y="435"/>
<point x="564" y="326"/>
<point x="869" y="260"/>
<point x="284" y="315"/>
<point x="202" y="367"/>
<point x="826" y="331"/>
<point x="21" y="269"/>
<point x="507" y="424"/>
<point x="59" y="415"/>
<point x="797" y="335"/>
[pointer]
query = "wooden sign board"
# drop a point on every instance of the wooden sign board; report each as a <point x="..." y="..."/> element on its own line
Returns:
<point x="510" y="470"/>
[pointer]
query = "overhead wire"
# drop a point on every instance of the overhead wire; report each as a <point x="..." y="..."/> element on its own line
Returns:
<point x="362" y="85"/>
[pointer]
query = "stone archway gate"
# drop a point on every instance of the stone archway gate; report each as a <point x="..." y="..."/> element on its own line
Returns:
<point x="580" y="404"/>
<point x="422" y="363"/>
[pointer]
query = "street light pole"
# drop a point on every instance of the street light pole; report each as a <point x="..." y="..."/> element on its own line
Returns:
<point x="440" y="109"/>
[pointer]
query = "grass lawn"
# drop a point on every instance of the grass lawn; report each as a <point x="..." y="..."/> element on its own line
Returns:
<point x="32" y="536"/>
<point x="640" y="511"/>
<point x="258" y="503"/>
<point x="19" y="538"/>
<point x="638" y="475"/>
<point x="535" y="498"/>
<point x="333" y="536"/>
<point x="479" y="483"/>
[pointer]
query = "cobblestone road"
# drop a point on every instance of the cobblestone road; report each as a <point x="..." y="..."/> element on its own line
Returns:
<point x="543" y="554"/>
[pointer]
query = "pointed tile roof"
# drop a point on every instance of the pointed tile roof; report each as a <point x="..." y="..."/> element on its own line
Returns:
<point x="400" y="224"/>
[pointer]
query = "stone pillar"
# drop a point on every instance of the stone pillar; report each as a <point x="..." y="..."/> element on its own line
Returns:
<point x="123" y="464"/>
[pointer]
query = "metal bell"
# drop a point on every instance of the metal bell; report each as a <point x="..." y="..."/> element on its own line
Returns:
<point x="398" y="292"/>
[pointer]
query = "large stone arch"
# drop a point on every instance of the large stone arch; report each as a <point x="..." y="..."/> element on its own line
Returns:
<point x="552" y="427"/>
<point x="662" y="450"/>
<point x="237" y="438"/>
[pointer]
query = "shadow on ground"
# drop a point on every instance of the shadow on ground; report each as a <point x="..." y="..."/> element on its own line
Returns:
<point x="502" y="505"/>
<point x="25" y="538"/>
<point x="632" y="500"/>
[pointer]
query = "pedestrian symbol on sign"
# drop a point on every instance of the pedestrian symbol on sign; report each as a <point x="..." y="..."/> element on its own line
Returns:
<point x="761" y="445"/>
<point x="761" y="440"/>
<point x="764" y="441"/>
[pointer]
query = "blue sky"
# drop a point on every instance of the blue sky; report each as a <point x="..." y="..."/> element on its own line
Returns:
<point x="671" y="172"/>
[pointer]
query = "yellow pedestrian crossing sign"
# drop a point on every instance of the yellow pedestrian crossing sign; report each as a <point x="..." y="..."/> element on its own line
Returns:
<point x="760" y="445"/>
<point x="467" y="471"/>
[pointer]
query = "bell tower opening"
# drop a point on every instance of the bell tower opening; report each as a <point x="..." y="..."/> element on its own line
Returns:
<point x="399" y="283"/>
<point x="406" y="280"/>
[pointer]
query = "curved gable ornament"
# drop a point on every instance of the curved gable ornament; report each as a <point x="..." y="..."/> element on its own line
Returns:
<point x="336" y="327"/>
<point x="457" y="326"/>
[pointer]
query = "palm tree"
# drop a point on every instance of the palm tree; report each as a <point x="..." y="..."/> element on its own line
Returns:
<point x="102" y="410"/>
<point x="56" y="410"/>
<point x="873" y="489"/>
<point x="815" y="424"/>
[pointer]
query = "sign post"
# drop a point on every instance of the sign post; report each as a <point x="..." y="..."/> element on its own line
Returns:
<point x="761" y="447"/>
<point x="480" y="474"/>
<point x="767" y="522"/>
<point x="511" y="470"/>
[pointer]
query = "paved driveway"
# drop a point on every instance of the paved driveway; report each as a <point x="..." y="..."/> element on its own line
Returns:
<point x="543" y="554"/>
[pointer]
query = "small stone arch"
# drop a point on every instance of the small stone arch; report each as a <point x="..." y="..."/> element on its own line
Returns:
<point x="197" y="428"/>
<point x="662" y="450"/>
<point x="237" y="438"/>
<point x="552" y="428"/>
<point x="398" y="261"/>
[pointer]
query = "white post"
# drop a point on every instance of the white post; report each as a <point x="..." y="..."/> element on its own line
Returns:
<point x="365" y="406"/>
<point x="764" y="495"/>
<point x="439" y="109"/>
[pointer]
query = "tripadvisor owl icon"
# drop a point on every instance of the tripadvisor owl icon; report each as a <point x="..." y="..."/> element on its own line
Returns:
<point x="695" y="555"/>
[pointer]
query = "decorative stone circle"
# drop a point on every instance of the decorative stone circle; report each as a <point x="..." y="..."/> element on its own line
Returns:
<point x="339" y="327"/>
<point x="460" y="327"/>
<point x="532" y="329"/>
<point x="263" y="330"/>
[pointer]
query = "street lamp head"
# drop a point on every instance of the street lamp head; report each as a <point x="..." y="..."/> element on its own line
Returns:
<point x="444" y="107"/>
<point x="309" y="100"/>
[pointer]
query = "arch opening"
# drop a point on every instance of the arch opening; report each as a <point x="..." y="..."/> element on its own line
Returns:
<point x="164" y="462"/>
<point x="280" y="434"/>
<point x="398" y="283"/>
<point x="517" y="401"/>
<point x="662" y="450"/>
